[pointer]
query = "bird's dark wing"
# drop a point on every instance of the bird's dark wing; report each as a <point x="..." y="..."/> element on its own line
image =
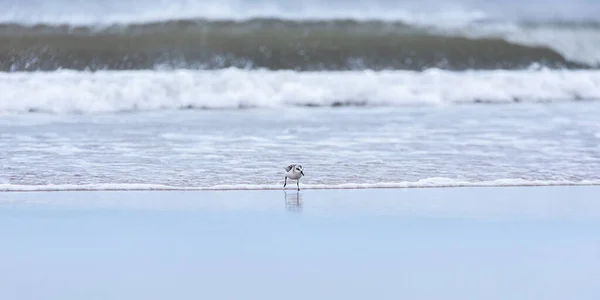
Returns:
<point x="288" y="168"/>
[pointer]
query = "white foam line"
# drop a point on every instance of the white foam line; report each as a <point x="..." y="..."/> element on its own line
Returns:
<point x="66" y="92"/>
<point x="424" y="183"/>
<point x="228" y="11"/>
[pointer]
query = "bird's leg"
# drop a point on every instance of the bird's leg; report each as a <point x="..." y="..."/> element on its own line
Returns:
<point x="285" y="182"/>
<point x="298" y="184"/>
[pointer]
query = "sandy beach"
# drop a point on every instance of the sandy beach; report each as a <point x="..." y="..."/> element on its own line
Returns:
<point x="442" y="243"/>
<point x="450" y="150"/>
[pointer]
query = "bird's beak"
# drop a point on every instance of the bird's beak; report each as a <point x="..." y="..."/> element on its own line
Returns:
<point x="302" y="173"/>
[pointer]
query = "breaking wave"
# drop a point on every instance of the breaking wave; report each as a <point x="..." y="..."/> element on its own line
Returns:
<point x="306" y="45"/>
<point x="66" y="92"/>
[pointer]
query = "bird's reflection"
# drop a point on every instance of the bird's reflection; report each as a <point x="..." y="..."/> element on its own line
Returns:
<point x="293" y="201"/>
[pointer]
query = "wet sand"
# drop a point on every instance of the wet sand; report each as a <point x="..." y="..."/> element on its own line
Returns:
<point x="442" y="243"/>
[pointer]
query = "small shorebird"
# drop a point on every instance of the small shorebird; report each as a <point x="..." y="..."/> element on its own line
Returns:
<point x="294" y="172"/>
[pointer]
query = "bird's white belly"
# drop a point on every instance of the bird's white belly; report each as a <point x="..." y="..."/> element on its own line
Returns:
<point x="294" y="176"/>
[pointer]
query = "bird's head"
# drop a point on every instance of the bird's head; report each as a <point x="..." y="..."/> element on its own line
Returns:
<point x="300" y="169"/>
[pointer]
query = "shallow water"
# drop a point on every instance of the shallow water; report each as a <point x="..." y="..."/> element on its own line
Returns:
<point x="466" y="243"/>
<point x="537" y="143"/>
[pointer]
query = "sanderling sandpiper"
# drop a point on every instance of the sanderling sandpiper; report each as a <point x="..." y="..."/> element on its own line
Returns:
<point x="294" y="172"/>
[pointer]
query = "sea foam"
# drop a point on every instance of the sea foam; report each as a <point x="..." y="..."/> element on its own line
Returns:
<point x="65" y="92"/>
<point x="425" y="12"/>
<point x="434" y="182"/>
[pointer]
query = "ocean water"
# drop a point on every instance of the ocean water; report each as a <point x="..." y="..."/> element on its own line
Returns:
<point x="210" y="95"/>
<point x="442" y="145"/>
